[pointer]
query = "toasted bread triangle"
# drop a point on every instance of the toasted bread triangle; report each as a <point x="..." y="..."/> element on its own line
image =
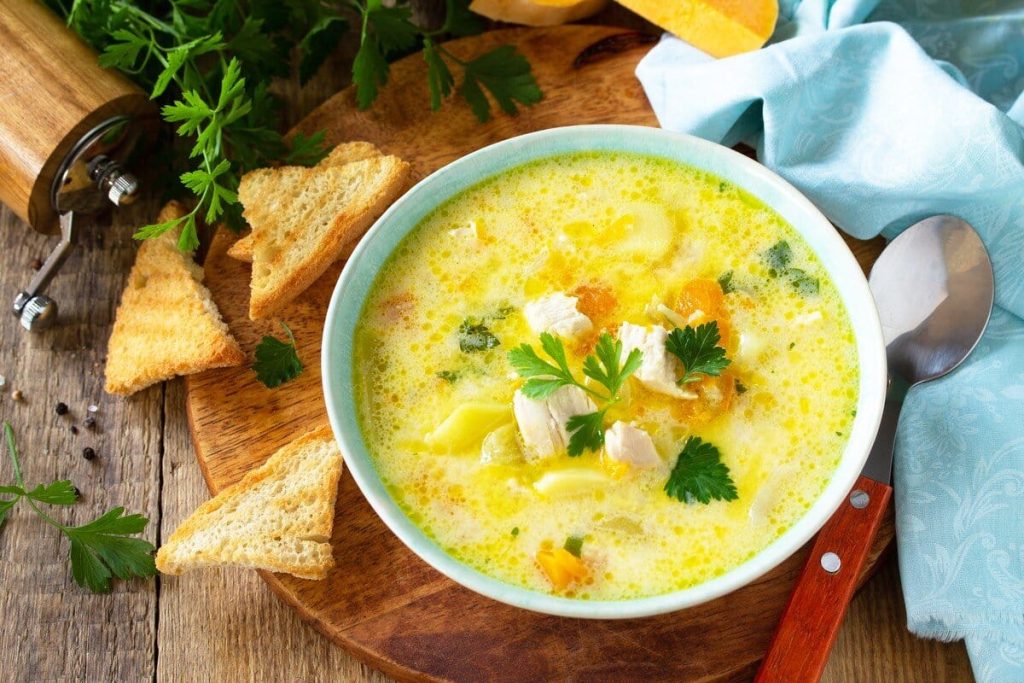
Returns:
<point x="278" y="517"/>
<point x="302" y="219"/>
<point x="166" y="324"/>
<point x="342" y="154"/>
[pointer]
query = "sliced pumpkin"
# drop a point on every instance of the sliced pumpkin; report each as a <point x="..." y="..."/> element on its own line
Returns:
<point x="718" y="27"/>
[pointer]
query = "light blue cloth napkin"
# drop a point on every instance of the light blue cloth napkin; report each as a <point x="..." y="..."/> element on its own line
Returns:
<point x="882" y="124"/>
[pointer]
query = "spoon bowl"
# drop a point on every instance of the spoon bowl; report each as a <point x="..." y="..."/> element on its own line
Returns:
<point x="934" y="289"/>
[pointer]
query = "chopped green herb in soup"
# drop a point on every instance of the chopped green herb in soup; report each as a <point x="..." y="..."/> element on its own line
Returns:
<point x="605" y="376"/>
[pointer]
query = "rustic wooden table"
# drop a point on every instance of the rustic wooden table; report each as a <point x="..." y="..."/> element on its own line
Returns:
<point x="218" y="625"/>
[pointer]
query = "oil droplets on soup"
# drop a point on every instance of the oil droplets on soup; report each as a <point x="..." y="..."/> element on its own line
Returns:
<point x="685" y="392"/>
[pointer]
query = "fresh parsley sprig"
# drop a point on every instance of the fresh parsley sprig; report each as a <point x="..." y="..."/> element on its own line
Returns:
<point x="101" y="549"/>
<point x="389" y="31"/>
<point x="698" y="350"/>
<point x="700" y="475"/>
<point x="604" y="366"/>
<point x="277" y="361"/>
<point x="209" y="63"/>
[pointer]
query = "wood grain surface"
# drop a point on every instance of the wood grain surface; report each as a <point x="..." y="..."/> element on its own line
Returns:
<point x="409" y="624"/>
<point x="215" y="625"/>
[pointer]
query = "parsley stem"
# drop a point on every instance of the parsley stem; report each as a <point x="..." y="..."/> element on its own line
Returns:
<point x="593" y="393"/>
<point x="45" y="517"/>
<point x="12" y="450"/>
<point x="145" y="17"/>
<point x="443" y="50"/>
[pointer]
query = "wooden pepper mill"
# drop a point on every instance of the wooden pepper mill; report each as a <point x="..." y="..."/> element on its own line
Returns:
<point x="66" y="128"/>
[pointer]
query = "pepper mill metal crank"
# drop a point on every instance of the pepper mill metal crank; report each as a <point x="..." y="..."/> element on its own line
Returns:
<point x="68" y="130"/>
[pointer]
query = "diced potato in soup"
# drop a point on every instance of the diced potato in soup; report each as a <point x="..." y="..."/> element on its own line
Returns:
<point x="633" y="378"/>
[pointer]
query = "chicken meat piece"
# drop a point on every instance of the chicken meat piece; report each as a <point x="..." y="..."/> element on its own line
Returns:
<point x="542" y="424"/>
<point x="558" y="315"/>
<point x="658" y="370"/>
<point x="629" y="444"/>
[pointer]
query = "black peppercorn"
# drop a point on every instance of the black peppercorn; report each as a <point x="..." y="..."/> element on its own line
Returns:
<point x="78" y="494"/>
<point x="36" y="263"/>
<point x="61" y="408"/>
<point x="74" y="429"/>
<point x="88" y="453"/>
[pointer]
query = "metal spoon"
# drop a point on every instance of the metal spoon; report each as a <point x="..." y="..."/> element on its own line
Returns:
<point x="934" y="289"/>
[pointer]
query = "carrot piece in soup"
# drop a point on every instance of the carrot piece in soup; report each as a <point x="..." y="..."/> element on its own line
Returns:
<point x="596" y="301"/>
<point x="705" y="296"/>
<point x="561" y="567"/>
<point x="715" y="395"/>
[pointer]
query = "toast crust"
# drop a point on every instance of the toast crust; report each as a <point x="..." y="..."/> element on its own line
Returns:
<point x="302" y="220"/>
<point x="342" y="154"/>
<point x="316" y="523"/>
<point x="166" y="323"/>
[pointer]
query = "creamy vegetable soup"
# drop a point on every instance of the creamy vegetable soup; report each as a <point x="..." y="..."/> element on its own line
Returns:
<point x="604" y="376"/>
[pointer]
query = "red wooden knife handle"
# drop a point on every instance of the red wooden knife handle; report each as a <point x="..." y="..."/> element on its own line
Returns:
<point x="810" y="622"/>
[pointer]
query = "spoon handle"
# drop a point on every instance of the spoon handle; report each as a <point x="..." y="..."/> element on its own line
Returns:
<point x="810" y="622"/>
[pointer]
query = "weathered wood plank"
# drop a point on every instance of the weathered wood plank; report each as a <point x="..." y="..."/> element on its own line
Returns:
<point x="54" y="630"/>
<point x="226" y="623"/>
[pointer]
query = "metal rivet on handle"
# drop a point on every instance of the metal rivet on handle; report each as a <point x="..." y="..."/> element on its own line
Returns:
<point x="831" y="563"/>
<point x="859" y="499"/>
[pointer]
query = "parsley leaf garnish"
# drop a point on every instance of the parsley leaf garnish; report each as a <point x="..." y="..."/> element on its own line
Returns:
<point x="209" y="65"/>
<point x="574" y="544"/>
<point x="697" y="349"/>
<point x="506" y="75"/>
<point x="725" y="282"/>
<point x="385" y="31"/>
<point x="778" y="258"/>
<point x="277" y="362"/>
<point x="603" y="367"/>
<point x="803" y="283"/>
<point x="56" y="493"/>
<point x="474" y="336"/>
<point x="104" y="548"/>
<point x="101" y="549"/>
<point x="543" y="378"/>
<point x="449" y="376"/>
<point x="700" y="475"/>
<point x="586" y="432"/>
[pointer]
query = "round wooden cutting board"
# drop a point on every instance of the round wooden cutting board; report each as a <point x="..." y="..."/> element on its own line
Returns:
<point x="381" y="602"/>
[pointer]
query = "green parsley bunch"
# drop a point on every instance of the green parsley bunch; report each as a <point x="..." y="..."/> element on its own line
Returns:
<point x="209" y="64"/>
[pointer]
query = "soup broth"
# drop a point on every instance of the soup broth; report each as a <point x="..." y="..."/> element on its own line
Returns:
<point x="605" y="243"/>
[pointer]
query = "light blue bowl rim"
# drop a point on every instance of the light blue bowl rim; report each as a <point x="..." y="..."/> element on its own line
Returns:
<point x="375" y="248"/>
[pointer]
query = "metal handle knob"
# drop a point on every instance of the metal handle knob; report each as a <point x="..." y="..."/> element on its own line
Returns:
<point x="34" y="309"/>
<point x="38" y="312"/>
